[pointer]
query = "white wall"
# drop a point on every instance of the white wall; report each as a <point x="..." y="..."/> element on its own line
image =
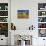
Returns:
<point x="32" y="6"/>
<point x="23" y="24"/>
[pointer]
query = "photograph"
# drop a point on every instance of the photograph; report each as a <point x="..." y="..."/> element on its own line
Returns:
<point x="41" y="13"/>
<point x="41" y="19"/>
<point x="3" y="19"/>
<point x="23" y="14"/>
<point x="4" y="29"/>
<point x="41" y="25"/>
<point x="3" y="13"/>
<point x="42" y="33"/>
<point x="41" y="6"/>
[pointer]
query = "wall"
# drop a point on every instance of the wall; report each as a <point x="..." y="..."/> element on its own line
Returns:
<point x="32" y="6"/>
<point x="23" y="24"/>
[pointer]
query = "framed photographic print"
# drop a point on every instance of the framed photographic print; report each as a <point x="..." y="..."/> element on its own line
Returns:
<point x="3" y="19"/>
<point x="23" y="14"/>
<point x="4" y="29"/>
<point x="42" y="32"/>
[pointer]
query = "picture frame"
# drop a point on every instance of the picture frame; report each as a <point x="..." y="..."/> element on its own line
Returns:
<point x="22" y="14"/>
<point x="42" y="33"/>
